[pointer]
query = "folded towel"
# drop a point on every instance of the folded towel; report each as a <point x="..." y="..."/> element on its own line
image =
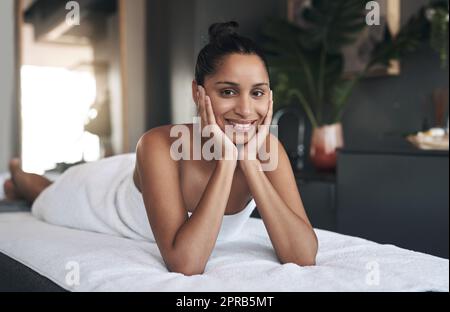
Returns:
<point x="249" y="263"/>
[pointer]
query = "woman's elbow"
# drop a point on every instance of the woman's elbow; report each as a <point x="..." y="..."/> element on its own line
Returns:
<point x="309" y="258"/>
<point x="307" y="262"/>
<point x="303" y="261"/>
<point x="189" y="272"/>
<point x="303" y="258"/>
<point x="186" y="269"/>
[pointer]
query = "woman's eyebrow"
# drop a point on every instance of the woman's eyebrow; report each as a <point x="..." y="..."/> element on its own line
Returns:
<point x="237" y="85"/>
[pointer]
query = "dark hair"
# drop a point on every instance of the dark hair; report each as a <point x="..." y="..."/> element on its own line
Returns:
<point x="223" y="40"/>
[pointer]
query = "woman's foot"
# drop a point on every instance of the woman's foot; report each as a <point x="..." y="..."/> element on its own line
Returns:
<point x="24" y="185"/>
<point x="10" y="188"/>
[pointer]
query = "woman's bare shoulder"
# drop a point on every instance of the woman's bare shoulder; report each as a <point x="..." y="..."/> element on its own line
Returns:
<point x="159" y="136"/>
<point x="153" y="151"/>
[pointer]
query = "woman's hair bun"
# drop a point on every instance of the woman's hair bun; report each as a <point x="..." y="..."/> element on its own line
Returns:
<point x="224" y="40"/>
<point x="221" y="30"/>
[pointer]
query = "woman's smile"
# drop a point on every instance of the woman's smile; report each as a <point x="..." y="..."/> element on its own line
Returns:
<point x="240" y="125"/>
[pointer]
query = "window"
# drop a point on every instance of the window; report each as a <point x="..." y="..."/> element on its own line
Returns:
<point x="55" y="106"/>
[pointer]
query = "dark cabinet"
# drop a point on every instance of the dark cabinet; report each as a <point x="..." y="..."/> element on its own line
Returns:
<point x="388" y="192"/>
<point x="317" y="191"/>
<point x="318" y="196"/>
<point x="393" y="197"/>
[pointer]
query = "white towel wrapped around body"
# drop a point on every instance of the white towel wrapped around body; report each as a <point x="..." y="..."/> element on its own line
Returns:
<point x="101" y="197"/>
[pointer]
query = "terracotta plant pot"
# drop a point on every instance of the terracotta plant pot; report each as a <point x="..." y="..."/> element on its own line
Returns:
<point x="324" y="142"/>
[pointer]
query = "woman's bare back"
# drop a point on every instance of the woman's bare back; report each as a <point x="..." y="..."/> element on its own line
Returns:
<point x="194" y="176"/>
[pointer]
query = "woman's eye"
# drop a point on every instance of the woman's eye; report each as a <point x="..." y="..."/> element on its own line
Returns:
<point x="228" y="92"/>
<point x="258" y="93"/>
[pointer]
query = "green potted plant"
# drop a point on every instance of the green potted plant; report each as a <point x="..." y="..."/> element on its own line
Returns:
<point x="307" y="61"/>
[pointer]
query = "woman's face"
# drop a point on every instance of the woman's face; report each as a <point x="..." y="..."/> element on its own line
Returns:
<point x="240" y="94"/>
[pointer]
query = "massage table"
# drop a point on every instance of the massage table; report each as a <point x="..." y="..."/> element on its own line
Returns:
<point x="37" y="256"/>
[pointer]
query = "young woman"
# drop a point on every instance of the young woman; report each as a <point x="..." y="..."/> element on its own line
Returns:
<point x="186" y="205"/>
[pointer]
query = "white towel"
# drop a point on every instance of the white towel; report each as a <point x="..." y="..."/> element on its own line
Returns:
<point x="87" y="197"/>
<point x="101" y="197"/>
<point x="110" y="263"/>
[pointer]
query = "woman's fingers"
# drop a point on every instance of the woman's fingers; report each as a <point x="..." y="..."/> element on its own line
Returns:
<point x="201" y="105"/>
<point x="265" y="127"/>
<point x="269" y="115"/>
<point x="206" y="110"/>
<point x="199" y="102"/>
<point x="268" y="119"/>
<point x="209" y="111"/>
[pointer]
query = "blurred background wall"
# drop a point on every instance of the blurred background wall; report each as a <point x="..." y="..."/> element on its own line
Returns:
<point x="9" y="140"/>
<point x="379" y="107"/>
<point x="388" y="106"/>
<point x="163" y="40"/>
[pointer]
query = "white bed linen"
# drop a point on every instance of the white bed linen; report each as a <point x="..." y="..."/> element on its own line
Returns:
<point x="111" y="263"/>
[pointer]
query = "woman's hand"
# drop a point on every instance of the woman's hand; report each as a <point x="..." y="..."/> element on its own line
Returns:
<point x="248" y="153"/>
<point x="228" y="151"/>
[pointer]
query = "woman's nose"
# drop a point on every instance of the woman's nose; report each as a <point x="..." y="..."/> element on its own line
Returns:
<point x="243" y="107"/>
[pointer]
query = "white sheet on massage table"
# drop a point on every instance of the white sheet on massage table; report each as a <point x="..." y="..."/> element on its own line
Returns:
<point x="109" y="263"/>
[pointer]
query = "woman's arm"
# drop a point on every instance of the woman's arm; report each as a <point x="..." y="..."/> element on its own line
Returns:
<point x="185" y="243"/>
<point x="281" y="209"/>
<point x="197" y="237"/>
